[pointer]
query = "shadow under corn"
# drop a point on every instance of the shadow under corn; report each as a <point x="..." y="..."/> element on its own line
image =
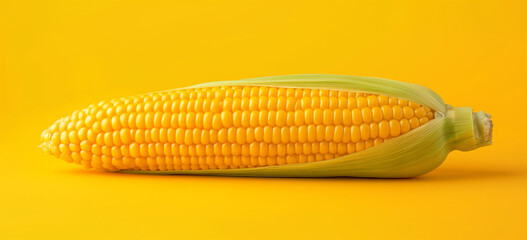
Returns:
<point x="442" y="174"/>
<point x="466" y="173"/>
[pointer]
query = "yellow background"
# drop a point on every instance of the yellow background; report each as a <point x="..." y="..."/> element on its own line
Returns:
<point x="58" y="56"/>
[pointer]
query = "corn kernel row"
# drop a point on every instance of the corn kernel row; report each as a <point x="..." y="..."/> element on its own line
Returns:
<point x="262" y="118"/>
<point x="245" y="104"/>
<point x="248" y="92"/>
<point x="268" y="134"/>
<point x="219" y="149"/>
<point x="196" y="162"/>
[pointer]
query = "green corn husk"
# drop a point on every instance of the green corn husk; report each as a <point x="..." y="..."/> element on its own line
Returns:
<point x="411" y="154"/>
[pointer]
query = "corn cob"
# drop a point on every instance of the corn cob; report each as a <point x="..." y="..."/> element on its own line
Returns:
<point x="298" y="126"/>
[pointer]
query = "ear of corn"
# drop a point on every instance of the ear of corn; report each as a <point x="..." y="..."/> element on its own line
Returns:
<point x="285" y="126"/>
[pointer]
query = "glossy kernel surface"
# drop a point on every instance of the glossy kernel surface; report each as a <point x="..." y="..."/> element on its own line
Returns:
<point x="229" y="127"/>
